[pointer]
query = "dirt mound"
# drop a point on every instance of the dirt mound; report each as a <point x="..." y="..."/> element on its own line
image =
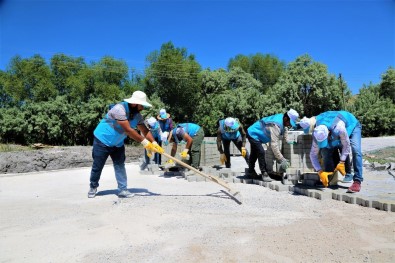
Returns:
<point x="55" y="158"/>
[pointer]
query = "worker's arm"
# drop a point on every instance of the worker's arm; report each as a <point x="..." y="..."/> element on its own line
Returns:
<point x="275" y="138"/>
<point x="132" y="133"/>
<point x="219" y="141"/>
<point x="314" y="156"/>
<point x="345" y="140"/>
<point x="243" y="136"/>
<point x="173" y="149"/>
<point x="189" y="141"/>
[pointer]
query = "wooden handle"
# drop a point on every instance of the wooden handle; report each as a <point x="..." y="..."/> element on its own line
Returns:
<point x="216" y="180"/>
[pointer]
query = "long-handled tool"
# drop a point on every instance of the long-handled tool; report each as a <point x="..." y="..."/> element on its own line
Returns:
<point x="235" y="195"/>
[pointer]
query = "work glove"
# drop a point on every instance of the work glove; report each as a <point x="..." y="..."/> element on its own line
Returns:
<point x="222" y="158"/>
<point x="184" y="154"/>
<point x="149" y="154"/>
<point x="284" y="165"/>
<point x="169" y="163"/>
<point x="148" y="145"/>
<point x="243" y="152"/>
<point x="340" y="167"/>
<point x="324" y="177"/>
<point x="158" y="148"/>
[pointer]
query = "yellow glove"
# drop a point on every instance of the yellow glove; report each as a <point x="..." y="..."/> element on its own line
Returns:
<point x="243" y="152"/>
<point x="222" y="158"/>
<point x="149" y="154"/>
<point x="324" y="177"/>
<point x="158" y="148"/>
<point x="169" y="163"/>
<point x="340" y="167"/>
<point x="148" y="145"/>
<point x="184" y="154"/>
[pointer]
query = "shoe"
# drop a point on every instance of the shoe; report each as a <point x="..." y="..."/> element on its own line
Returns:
<point x="355" y="187"/>
<point x="125" y="194"/>
<point x="348" y="178"/>
<point x="266" y="177"/>
<point x="252" y="175"/>
<point x="92" y="192"/>
<point x="143" y="166"/>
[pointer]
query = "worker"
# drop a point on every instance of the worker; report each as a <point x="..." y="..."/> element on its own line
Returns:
<point x="308" y="125"/>
<point x="166" y="125"/>
<point x="338" y="129"/>
<point x="153" y="126"/>
<point x="268" y="129"/>
<point x="193" y="135"/>
<point x="231" y="130"/>
<point x="120" y="122"/>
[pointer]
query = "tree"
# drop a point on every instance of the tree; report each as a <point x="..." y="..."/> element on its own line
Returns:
<point x="307" y="87"/>
<point x="228" y="94"/>
<point x="265" y="68"/>
<point x="173" y="76"/>
<point x="29" y="80"/>
<point x="63" y="68"/>
<point x="387" y="86"/>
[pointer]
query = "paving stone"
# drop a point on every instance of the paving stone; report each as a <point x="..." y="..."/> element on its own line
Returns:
<point x="247" y="181"/>
<point x="237" y="180"/>
<point x="322" y="195"/>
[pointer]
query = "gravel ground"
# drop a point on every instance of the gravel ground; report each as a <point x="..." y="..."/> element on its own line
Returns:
<point x="47" y="217"/>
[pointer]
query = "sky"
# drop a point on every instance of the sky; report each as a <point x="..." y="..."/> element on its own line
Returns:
<point x="355" y="38"/>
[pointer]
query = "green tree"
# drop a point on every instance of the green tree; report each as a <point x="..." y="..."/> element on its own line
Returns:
<point x="29" y="80"/>
<point x="265" y="68"/>
<point x="376" y="113"/>
<point x="235" y="93"/>
<point x="173" y="76"/>
<point x="64" y="67"/>
<point x="307" y="87"/>
<point x="387" y="86"/>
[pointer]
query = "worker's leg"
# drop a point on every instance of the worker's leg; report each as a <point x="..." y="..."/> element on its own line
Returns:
<point x="118" y="159"/>
<point x="327" y="158"/>
<point x="257" y="149"/>
<point x="355" y="141"/>
<point x="226" y="145"/>
<point x="196" y="147"/>
<point x="100" y="153"/>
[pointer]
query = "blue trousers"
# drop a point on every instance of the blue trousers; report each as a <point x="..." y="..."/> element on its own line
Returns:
<point x="100" y="153"/>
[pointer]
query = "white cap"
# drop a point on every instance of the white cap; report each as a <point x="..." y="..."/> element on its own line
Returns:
<point x="138" y="97"/>
<point x="293" y="116"/>
<point x="152" y="121"/>
<point x="231" y="123"/>
<point x="305" y="124"/>
<point x="321" y="135"/>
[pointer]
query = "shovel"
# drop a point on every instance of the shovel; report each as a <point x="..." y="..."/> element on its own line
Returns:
<point x="235" y="195"/>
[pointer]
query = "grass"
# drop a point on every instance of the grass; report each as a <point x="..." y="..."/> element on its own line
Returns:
<point x="14" y="148"/>
<point x="385" y="155"/>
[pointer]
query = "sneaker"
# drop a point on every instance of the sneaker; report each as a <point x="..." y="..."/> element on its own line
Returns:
<point x="348" y="178"/>
<point x="355" y="187"/>
<point x="92" y="192"/>
<point x="125" y="194"/>
<point x="266" y="177"/>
